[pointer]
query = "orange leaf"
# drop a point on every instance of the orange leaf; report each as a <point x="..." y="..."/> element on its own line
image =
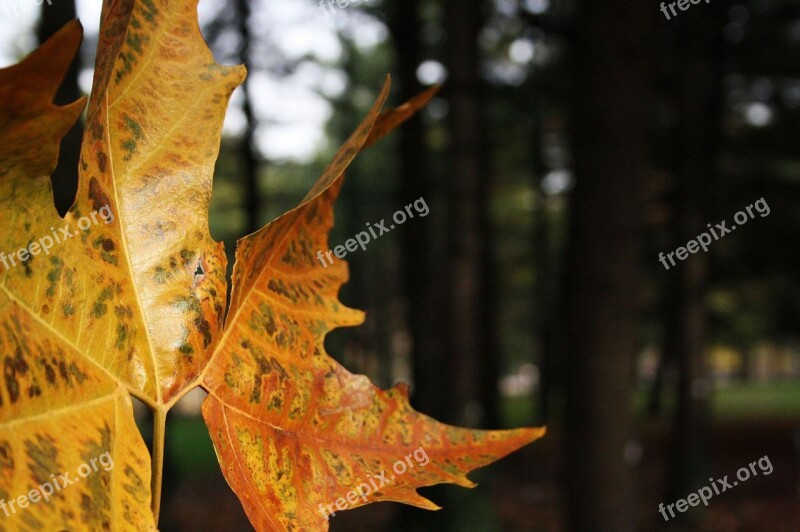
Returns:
<point x="295" y="432"/>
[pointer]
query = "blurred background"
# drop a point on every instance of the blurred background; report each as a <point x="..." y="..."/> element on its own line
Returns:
<point x="571" y="144"/>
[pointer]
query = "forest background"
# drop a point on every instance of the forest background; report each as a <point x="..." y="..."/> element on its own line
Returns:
<point x="571" y="143"/>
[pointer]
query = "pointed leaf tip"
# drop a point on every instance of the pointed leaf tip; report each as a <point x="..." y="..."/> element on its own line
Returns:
<point x="294" y="430"/>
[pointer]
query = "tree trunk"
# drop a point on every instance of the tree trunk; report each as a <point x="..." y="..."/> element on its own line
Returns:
<point x="423" y="294"/>
<point x="473" y="356"/>
<point x="545" y="284"/>
<point x="250" y="166"/>
<point x="65" y="177"/>
<point x="603" y="261"/>
<point x="700" y="91"/>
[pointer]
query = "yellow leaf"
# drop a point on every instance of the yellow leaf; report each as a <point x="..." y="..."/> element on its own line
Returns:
<point x="60" y="412"/>
<point x="152" y="137"/>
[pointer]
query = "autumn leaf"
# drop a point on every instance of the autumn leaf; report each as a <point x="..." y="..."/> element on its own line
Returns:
<point x="139" y="296"/>
<point x="126" y="295"/>
<point x="59" y="406"/>
<point x="295" y="432"/>
<point x="152" y="138"/>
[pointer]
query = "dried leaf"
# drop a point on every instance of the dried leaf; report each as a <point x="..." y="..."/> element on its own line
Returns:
<point x="59" y="409"/>
<point x="295" y="432"/>
<point x="152" y="137"/>
<point x="125" y="295"/>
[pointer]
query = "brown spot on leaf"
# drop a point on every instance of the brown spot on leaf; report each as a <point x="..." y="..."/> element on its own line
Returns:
<point x="12" y="367"/>
<point x="205" y="329"/>
<point x="49" y="372"/>
<point x="96" y="195"/>
<point x="97" y="130"/>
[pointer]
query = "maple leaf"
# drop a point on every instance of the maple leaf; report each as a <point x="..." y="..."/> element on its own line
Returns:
<point x="135" y="305"/>
<point x="296" y="432"/>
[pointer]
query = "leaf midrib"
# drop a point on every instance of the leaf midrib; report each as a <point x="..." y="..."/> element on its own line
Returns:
<point x="123" y="233"/>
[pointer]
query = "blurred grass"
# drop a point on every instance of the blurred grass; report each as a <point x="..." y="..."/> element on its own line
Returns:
<point x="776" y="400"/>
<point x="189" y="446"/>
<point x="739" y="401"/>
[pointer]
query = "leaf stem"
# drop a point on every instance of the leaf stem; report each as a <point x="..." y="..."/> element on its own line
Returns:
<point x="159" y="430"/>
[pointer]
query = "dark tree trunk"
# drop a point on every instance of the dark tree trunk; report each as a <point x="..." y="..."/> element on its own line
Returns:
<point x="423" y="294"/>
<point x="541" y="238"/>
<point x="424" y="284"/>
<point x="545" y="284"/>
<point x="65" y="178"/>
<point x="250" y="166"/>
<point x="603" y="261"/>
<point x="655" y="400"/>
<point x="473" y="355"/>
<point x="699" y="94"/>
